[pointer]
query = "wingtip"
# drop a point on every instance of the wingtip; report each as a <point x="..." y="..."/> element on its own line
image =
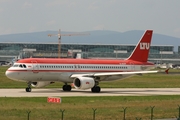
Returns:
<point x="167" y="71"/>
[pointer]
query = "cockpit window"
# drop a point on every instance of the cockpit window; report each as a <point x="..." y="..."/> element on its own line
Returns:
<point x="15" y="65"/>
<point x="24" y="65"/>
<point x="20" y="65"/>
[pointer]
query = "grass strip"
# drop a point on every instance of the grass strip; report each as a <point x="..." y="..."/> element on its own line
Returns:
<point x="81" y="108"/>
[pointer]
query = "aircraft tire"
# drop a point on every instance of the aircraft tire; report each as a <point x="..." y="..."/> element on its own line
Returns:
<point x="96" y="89"/>
<point x="67" y="87"/>
<point x="28" y="89"/>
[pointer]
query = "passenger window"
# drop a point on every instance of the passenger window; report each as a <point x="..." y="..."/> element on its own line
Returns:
<point x="20" y="66"/>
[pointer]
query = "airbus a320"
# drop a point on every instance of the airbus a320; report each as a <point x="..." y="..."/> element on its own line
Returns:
<point x="83" y="73"/>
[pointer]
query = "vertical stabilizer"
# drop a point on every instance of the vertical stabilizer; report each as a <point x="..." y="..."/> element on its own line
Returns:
<point x="141" y="51"/>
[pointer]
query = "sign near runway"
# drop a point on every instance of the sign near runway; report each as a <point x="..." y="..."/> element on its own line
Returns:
<point x="54" y="100"/>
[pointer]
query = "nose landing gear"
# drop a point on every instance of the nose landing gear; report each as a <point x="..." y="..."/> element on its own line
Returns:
<point x="28" y="89"/>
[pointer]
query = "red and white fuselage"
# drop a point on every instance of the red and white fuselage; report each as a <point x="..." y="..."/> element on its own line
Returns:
<point x="84" y="73"/>
<point x="62" y="70"/>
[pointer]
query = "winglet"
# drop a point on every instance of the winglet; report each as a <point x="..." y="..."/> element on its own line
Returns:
<point x="164" y="71"/>
<point x="141" y="51"/>
<point x="167" y="71"/>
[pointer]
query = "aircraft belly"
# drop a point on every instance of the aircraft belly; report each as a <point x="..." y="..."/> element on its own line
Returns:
<point x="43" y="76"/>
<point x="46" y="76"/>
<point x="53" y="76"/>
<point x="34" y="77"/>
<point x="65" y="77"/>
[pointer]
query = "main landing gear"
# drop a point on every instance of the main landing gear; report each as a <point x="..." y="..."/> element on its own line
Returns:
<point x="96" y="88"/>
<point x="28" y="89"/>
<point x="67" y="87"/>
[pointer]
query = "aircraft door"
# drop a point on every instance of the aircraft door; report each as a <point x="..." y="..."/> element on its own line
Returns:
<point x="132" y="67"/>
<point x="35" y="67"/>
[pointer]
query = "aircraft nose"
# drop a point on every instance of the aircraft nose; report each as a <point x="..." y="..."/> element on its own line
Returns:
<point x="14" y="75"/>
<point x="9" y="74"/>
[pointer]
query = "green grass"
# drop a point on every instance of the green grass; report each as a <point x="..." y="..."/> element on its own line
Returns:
<point x="145" y="81"/>
<point x="108" y="108"/>
<point x="80" y="108"/>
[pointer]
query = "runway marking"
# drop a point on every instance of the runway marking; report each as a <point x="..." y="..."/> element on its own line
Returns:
<point x="104" y="92"/>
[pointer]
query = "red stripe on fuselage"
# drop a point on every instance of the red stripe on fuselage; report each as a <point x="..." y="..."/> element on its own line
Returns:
<point x="81" y="61"/>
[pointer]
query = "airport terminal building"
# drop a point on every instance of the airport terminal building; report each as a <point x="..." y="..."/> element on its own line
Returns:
<point x="158" y="53"/>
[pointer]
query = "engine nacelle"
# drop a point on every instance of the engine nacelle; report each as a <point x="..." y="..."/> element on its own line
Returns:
<point x="41" y="84"/>
<point x="83" y="82"/>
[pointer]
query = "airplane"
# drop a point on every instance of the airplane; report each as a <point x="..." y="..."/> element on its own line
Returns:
<point x="83" y="73"/>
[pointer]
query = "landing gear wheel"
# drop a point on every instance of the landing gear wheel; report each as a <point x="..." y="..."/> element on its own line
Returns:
<point x="67" y="87"/>
<point x="96" y="89"/>
<point x="28" y="89"/>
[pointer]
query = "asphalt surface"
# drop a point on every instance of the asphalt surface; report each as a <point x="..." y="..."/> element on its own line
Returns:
<point x="104" y="92"/>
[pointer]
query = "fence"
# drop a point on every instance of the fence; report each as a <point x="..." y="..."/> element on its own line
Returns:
<point x="62" y="111"/>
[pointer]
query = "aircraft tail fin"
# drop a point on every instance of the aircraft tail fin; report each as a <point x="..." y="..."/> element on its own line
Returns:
<point x="141" y="51"/>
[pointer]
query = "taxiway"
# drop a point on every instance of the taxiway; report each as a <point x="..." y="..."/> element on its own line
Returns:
<point x="104" y="92"/>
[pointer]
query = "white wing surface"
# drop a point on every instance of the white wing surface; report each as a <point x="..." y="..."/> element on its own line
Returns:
<point x="111" y="74"/>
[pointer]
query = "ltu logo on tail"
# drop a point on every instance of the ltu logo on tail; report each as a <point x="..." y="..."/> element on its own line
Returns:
<point x="144" y="46"/>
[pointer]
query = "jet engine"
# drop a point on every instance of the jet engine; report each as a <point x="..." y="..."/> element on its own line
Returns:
<point x="83" y="82"/>
<point x="41" y="84"/>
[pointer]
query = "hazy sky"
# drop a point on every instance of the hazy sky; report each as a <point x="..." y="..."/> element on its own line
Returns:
<point x="21" y="16"/>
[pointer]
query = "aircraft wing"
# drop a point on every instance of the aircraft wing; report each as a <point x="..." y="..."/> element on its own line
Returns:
<point x="111" y="74"/>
